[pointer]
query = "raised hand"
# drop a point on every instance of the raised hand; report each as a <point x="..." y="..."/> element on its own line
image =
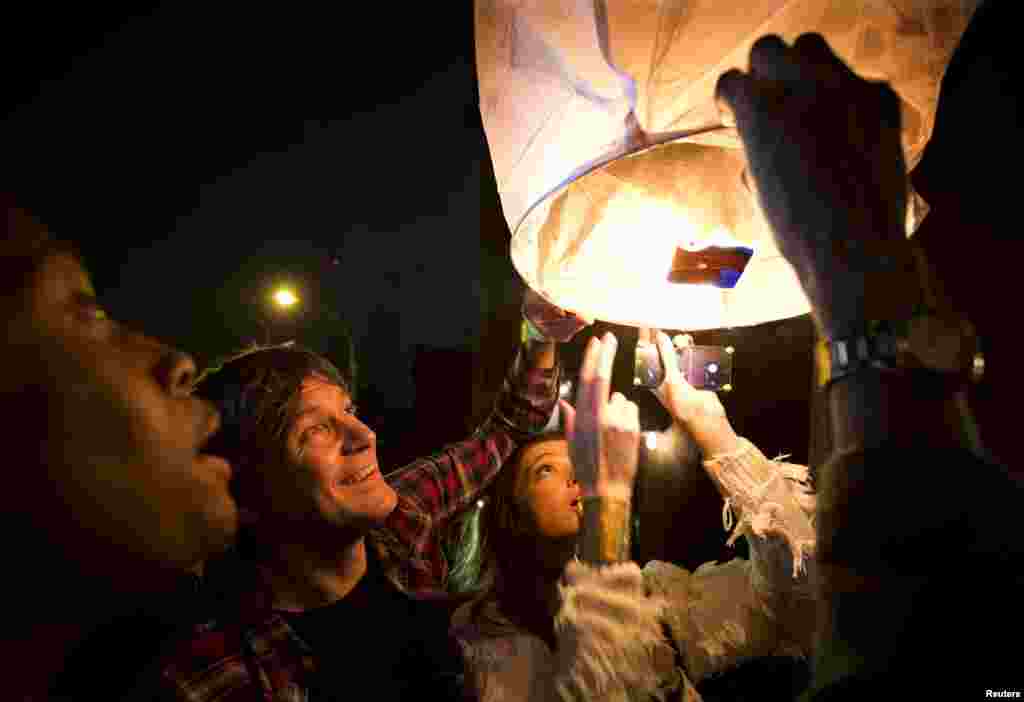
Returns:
<point x="603" y="431"/>
<point x="828" y="171"/>
<point x="699" y="412"/>
<point x="554" y="323"/>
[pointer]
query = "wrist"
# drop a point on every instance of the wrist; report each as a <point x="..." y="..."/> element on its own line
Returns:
<point x="716" y="438"/>
<point x="876" y="406"/>
<point x="847" y="298"/>
<point x="608" y="489"/>
<point x="712" y="433"/>
<point x="605" y="530"/>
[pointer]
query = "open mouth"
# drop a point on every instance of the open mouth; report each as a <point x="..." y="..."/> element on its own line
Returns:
<point x="361" y="476"/>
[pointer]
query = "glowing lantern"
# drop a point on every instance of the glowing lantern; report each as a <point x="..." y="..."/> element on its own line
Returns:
<point x="616" y="177"/>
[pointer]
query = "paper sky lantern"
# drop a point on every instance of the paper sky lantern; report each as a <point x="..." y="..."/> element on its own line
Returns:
<point x="615" y="175"/>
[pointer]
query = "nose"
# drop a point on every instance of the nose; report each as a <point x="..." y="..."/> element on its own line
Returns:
<point x="360" y="437"/>
<point x="176" y="373"/>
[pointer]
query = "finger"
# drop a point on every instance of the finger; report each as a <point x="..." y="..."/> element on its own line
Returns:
<point x="682" y="341"/>
<point x="771" y="59"/>
<point x="601" y="383"/>
<point x="811" y="49"/>
<point x="568" y="419"/>
<point x="607" y="362"/>
<point x="734" y="96"/>
<point x="623" y="414"/>
<point x="669" y="360"/>
<point x="632" y="416"/>
<point x="588" y="397"/>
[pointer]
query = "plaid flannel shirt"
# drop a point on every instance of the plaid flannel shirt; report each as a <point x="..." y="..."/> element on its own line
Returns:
<point x="258" y="656"/>
<point x="430" y="490"/>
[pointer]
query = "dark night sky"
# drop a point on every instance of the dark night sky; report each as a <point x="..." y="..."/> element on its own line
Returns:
<point x="199" y="151"/>
<point x="198" y="154"/>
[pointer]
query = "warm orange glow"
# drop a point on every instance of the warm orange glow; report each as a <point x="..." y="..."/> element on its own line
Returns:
<point x="285" y="298"/>
<point x="609" y="153"/>
<point x="650" y="440"/>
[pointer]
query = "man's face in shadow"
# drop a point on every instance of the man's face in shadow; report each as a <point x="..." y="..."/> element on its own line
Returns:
<point x="107" y="439"/>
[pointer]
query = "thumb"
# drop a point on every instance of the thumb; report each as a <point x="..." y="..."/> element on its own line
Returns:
<point x="669" y="359"/>
<point x="568" y="419"/>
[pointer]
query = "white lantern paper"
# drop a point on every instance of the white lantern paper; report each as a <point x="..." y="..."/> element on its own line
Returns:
<point x="609" y="154"/>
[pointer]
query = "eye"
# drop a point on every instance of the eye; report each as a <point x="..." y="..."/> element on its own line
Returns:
<point x="317" y="432"/>
<point x="352" y="410"/>
<point x="545" y="470"/>
<point x="89" y="310"/>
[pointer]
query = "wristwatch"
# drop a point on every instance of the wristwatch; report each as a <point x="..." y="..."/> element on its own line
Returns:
<point x="941" y="345"/>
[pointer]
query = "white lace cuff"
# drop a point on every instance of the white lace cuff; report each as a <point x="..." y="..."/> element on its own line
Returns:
<point x="758" y="488"/>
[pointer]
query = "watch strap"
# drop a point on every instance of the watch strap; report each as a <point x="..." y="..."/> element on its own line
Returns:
<point x="886" y="346"/>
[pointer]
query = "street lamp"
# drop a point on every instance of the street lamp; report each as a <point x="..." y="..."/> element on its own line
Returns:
<point x="282" y="298"/>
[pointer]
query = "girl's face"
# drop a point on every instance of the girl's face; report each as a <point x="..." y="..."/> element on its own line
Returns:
<point x="548" y="491"/>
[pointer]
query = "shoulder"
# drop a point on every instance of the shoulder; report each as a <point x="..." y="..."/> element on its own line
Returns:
<point x="485" y="633"/>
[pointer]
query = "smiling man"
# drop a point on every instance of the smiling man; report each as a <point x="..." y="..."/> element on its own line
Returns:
<point x="330" y="548"/>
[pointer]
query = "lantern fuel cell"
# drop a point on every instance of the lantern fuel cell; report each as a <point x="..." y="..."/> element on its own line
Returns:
<point x="704" y="367"/>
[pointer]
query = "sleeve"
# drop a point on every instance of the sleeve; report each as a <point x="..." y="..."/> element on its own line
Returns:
<point x="611" y="645"/>
<point x="723" y="614"/>
<point x="443" y="484"/>
<point x="511" y="668"/>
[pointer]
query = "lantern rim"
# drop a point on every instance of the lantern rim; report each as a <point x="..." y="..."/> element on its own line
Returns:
<point x="644" y="143"/>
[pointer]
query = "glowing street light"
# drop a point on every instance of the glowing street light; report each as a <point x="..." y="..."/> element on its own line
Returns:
<point x="281" y="299"/>
<point x="284" y="298"/>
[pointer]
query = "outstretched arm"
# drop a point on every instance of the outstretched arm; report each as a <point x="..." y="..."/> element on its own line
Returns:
<point x="724" y="614"/>
<point x="887" y="524"/>
<point x="434" y="488"/>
